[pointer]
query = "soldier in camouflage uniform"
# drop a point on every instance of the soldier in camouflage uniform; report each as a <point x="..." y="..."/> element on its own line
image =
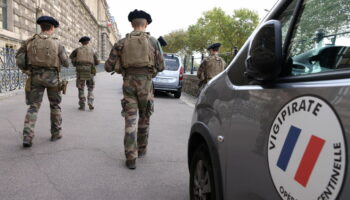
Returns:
<point x="41" y="56"/>
<point x="211" y="65"/>
<point x="85" y="59"/>
<point x="138" y="57"/>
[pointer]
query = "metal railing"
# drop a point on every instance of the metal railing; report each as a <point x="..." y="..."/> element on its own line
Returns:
<point x="12" y="78"/>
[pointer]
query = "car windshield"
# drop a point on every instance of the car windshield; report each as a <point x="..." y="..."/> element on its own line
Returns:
<point x="171" y="63"/>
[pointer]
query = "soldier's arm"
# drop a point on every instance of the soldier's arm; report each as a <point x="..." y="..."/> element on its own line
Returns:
<point x="96" y="60"/>
<point x="200" y="72"/>
<point x="64" y="60"/>
<point x="21" y="57"/>
<point x="73" y="56"/>
<point x="224" y="63"/>
<point x="114" y="58"/>
<point x="159" y="58"/>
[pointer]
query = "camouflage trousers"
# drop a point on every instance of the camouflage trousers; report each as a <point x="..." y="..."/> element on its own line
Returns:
<point x="138" y="97"/>
<point x="41" y="80"/>
<point x="81" y="87"/>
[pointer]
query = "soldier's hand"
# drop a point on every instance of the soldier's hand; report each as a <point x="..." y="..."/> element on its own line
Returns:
<point x="26" y="72"/>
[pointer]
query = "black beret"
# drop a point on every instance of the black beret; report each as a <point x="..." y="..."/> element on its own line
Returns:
<point x="139" y="14"/>
<point x="84" y="39"/>
<point x="49" y="20"/>
<point x="215" y="45"/>
<point x="162" y="41"/>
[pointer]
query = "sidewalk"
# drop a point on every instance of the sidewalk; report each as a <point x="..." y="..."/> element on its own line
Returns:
<point x="88" y="163"/>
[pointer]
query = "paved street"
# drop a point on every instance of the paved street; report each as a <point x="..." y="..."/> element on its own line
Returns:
<point x="88" y="163"/>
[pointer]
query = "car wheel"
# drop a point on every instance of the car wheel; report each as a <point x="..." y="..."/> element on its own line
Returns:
<point x="177" y="94"/>
<point x="202" y="176"/>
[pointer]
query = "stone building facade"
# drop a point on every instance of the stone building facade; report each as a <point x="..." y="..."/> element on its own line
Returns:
<point x="77" y="18"/>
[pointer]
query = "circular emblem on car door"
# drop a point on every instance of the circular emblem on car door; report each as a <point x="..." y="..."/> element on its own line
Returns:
<point x="306" y="150"/>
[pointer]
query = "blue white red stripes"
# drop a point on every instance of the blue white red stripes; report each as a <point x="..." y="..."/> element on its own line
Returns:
<point x="309" y="159"/>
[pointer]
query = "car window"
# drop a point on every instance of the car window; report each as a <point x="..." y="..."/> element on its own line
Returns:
<point x="321" y="40"/>
<point x="285" y="18"/>
<point x="238" y="68"/>
<point x="172" y="63"/>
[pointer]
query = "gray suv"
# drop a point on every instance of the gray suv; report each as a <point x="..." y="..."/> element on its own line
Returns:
<point x="276" y="123"/>
<point x="170" y="80"/>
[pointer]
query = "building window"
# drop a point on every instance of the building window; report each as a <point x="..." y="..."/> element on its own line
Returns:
<point x="3" y="14"/>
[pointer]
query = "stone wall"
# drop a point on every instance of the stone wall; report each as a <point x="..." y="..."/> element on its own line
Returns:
<point x="77" y="18"/>
<point x="190" y="84"/>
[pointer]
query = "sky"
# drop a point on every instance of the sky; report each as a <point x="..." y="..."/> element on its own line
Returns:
<point x="168" y="16"/>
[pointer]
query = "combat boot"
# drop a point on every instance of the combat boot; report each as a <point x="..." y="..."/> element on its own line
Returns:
<point x="55" y="137"/>
<point x="82" y="107"/>
<point x="131" y="164"/>
<point x="91" y="107"/>
<point x="142" y="154"/>
<point x="27" y="142"/>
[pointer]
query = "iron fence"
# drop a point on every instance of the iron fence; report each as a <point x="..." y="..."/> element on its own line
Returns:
<point x="12" y="78"/>
<point x="192" y="62"/>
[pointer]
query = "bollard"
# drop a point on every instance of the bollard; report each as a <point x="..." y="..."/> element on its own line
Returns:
<point x="185" y="63"/>
<point x="192" y="65"/>
<point x="235" y="50"/>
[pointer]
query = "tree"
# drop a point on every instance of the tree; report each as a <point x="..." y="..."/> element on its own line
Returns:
<point x="320" y="18"/>
<point x="177" y="41"/>
<point x="216" y="26"/>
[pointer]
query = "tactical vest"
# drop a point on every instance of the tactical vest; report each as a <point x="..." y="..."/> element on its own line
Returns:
<point x="42" y="51"/>
<point x="137" y="51"/>
<point x="85" y="55"/>
<point x="214" y="66"/>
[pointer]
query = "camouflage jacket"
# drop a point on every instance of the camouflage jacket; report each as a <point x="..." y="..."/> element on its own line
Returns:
<point x="73" y="56"/>
<point x="21" y="55"/>
<point x="207" y="70"/>
<point x="114" y="60"/>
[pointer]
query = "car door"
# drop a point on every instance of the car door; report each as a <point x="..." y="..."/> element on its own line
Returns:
<point x="288" y="138"/>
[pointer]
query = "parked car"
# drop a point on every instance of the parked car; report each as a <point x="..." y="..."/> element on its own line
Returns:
<point x="170" y="80"/>
<point x="276" y="123"/>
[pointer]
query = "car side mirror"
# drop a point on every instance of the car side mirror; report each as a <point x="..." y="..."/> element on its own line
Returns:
<point x="264" y="61"/>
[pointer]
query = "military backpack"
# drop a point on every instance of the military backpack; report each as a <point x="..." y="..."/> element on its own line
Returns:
<point x="42" y="51"/>
<point x="138" y="51"/>
<point x="85" y="55"/>
<point x="214" y="66"/>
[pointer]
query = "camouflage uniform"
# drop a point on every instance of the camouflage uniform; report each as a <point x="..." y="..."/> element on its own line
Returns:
<point x="138" y="96"/>
<point x="85" y="75"/>
<point x="81" y="87"/>
<point x="207" y="72"/>
<point x="43" y="78"/>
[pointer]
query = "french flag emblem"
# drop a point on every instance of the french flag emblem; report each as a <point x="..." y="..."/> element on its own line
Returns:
<point x="309" y="159"/>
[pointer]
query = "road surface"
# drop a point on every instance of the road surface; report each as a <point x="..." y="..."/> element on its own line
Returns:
<point x="88" y="163"/>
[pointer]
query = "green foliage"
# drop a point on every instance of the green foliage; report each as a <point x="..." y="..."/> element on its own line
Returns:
<point x="327" y="17"/>
<point x="177" y="42"/>
<point x="214" y="26"/>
